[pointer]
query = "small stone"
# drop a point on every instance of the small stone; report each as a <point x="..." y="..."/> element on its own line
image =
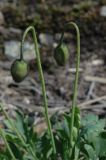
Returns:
<point x="57" y="36"/>
<point x="97" y="62"/>
<point x="12" y="50"/>
<point x="103" y="11"/>
<point x="15" y="31"/>
<point x="26" y="100"/>
<point x="46" y="39"/>
<point x="1" y="19"/>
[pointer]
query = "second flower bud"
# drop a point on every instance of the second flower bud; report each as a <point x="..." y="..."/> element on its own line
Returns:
<point x="61" y="54"/>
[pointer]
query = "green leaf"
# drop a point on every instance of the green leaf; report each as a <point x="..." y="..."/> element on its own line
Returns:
<point x="16" y="150"/>
<point x="102" y="143"/>
<point x="76" y="152"/>
<point x="19" y="122"/>
<point x="90" y="151"/>
<point x="103" y="134"/>
<point x="89" y="119"/>
<point x="63" y="130"/>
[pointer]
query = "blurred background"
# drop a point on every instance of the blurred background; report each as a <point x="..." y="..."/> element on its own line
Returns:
<point x="49" y="17"/>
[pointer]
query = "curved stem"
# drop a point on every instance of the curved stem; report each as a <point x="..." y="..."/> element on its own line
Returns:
<point x="32" y="29"/>
<point x="76" y="76"/>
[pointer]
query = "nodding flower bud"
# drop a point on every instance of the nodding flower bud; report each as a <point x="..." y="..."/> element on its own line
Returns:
<point x="19" y="70"/>
<point x="61" y="54"/>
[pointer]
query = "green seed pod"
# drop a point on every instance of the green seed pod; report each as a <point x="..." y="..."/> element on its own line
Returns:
<point x="61" y="54"/>
<point x="19" y="70"/>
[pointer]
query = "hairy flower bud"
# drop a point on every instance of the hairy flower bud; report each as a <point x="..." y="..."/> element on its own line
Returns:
<point x="19" y="70"/>
<point x="61" y="54"/>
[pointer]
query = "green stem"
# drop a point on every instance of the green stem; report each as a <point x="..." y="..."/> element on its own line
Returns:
<point x="31" y="28"/>
<point x="17" y="132"/>
<point x="76" y="76"/>
<point x="7" y="145"/>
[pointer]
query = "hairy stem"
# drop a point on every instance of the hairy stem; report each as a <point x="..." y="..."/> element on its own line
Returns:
<point x="70" y="24"/>
<point x="32" y="29"/>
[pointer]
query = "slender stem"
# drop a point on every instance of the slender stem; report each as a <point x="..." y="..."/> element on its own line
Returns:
<point x="31" y="28"/>
<point x="76" y="76"/>
<point x="7" y="145"/>
<point x="17" y="132"/>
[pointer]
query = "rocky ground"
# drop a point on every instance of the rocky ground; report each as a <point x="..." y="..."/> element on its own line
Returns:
<point x="49" y="17"/>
